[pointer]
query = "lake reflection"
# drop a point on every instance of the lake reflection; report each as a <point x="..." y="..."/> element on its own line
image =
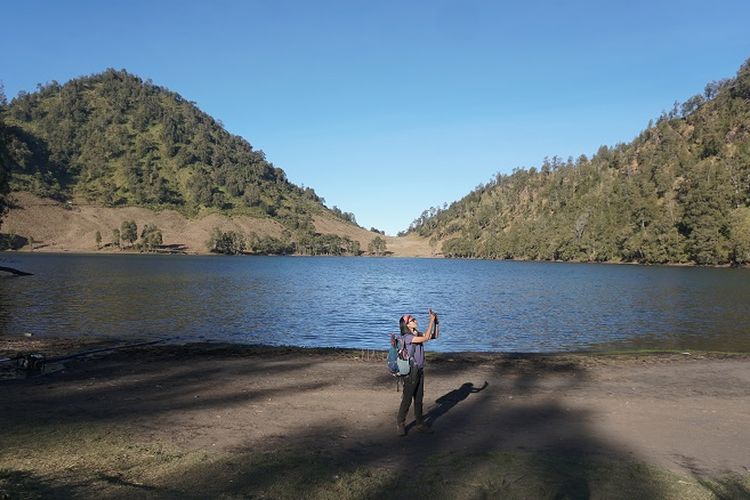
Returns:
<point x="350" y="302"/>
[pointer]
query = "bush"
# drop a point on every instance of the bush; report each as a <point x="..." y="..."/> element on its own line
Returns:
<point x="129" y="231"/>
<point x="268" y="245"/>
<point x="151" y="237"/>
<point x="377" y="246"/>
<point x="227" y="243"/>
<point x="12" y="242"/>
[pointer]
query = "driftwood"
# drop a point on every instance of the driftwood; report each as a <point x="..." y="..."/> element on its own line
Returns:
<point x="15" y="271"/>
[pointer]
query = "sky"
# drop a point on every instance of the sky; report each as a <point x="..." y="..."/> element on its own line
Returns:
<point x="388" y="108"/>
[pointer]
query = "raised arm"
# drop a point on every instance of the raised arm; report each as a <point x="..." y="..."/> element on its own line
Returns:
<point x="428" y="333"/>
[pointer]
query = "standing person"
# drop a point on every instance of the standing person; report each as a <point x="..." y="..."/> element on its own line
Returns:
<point x="414" y="382"/>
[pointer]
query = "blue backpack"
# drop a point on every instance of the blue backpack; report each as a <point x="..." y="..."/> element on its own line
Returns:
<point x="399" y="359"/>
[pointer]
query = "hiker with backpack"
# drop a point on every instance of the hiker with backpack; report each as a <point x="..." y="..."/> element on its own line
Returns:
<point x="413" y="341"/>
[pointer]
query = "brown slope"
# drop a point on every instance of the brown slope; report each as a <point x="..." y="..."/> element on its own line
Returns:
<point x="56" y="227"/>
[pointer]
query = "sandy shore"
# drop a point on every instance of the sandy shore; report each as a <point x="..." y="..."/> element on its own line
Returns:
<point x="204" y="421"/>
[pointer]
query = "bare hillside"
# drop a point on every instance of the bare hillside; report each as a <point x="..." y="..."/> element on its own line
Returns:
<point x="56" y="227"/>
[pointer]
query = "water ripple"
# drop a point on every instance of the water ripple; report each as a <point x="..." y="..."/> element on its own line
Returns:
<point x="484" y="305"/>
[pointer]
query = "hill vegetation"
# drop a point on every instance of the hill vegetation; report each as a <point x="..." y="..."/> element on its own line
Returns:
<point x="114" y="140"/>
<point x="4" y="157"/>
<point x="678" y="193"/>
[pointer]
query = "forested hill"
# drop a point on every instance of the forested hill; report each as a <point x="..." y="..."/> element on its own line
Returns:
<point x="678" y="193"/>
<point x="116" y="140"/>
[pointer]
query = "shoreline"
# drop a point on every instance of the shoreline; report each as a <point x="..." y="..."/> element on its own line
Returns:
<point x="58" y="251"/>
<point x="75" y="346"/>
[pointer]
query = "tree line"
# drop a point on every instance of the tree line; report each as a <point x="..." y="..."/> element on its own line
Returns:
<point x="236" y="243"/>
<point x="126" y="236"/>
<point x="678" y="193"/>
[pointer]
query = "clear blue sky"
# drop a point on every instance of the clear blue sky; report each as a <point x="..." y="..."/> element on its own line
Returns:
<point x="386" y="108"/>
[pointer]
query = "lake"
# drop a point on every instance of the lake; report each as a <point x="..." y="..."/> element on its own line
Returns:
<point x="355" y="302"/>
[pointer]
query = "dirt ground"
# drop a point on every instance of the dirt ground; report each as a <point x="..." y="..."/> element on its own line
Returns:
<point x="236" y="422"/>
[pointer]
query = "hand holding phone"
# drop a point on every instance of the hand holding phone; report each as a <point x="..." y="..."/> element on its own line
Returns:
<point x="435" y="327"/>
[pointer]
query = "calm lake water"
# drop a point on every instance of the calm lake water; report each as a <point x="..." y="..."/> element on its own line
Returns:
<point x="356" y="302"/>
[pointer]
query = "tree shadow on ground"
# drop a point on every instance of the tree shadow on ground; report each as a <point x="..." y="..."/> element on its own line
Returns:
<point x="114" y="390"/>
<point x="22" y="484"/>
<point x="514" y="437"/>
<point x="481" y="447"/>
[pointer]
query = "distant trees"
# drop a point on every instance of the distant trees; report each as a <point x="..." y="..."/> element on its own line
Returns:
<point x="739" y="228"/>
<point x="151" y="237"/>
<point x="458" y="247"/>
<point x="678" y="193"/>
<point x="304" y="243"/>
<point x="268" y="245"/>
<point x="309" y="243"/>
<point x="13" y="241"/>
<point x="129" y="231"/>
<point x="377" y="246"/>
<point x="347" y="216"/>
<point x="226" y="242"/>
<point x="4" y="156"/>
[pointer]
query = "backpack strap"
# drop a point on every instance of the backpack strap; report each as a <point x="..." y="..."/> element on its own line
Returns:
<point x="409" y="348"/>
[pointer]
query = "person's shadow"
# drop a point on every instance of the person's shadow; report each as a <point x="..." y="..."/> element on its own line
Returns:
<point x="451" y="399"/>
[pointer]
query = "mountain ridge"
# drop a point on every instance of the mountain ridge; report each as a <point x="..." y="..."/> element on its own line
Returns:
<point x="118" y="140"/>
<point x="679" y="193"/>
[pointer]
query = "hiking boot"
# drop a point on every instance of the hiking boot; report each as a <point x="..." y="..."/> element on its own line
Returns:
<point x="423" y="429"/>
<point x="401" y="428"/>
